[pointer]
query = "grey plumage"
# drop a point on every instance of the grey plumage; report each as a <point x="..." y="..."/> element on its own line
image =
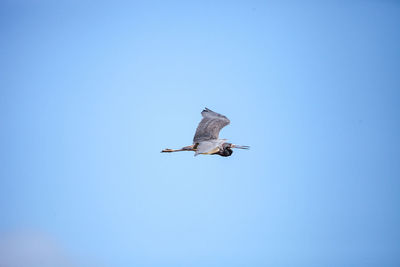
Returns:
<point x="210" y="126"/>
<point x="206" y="139"/>
<point x="207" y="146"/>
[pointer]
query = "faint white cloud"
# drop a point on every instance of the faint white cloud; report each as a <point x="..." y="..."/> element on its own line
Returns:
<point x="32" y="249"/>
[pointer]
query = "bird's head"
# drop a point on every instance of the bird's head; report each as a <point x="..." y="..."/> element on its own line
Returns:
<point x="226" y="150"/>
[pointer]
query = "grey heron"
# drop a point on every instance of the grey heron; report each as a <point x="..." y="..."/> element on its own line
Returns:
<point x="206" y="139"/>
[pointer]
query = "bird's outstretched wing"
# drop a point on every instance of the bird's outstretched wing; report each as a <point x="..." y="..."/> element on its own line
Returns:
<point x="210" y="126"/>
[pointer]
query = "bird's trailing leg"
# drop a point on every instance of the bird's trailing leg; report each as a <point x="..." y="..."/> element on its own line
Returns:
<point x="186" y="148"/>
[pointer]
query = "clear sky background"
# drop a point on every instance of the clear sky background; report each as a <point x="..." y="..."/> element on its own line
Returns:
<point x="90" y="92"/>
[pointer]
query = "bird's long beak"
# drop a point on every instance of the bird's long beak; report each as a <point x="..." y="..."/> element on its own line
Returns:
<point x="241" y="147"/>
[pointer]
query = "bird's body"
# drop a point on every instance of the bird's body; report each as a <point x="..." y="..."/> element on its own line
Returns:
<point x="206" y="139"/>
<point x="209" y="147"/>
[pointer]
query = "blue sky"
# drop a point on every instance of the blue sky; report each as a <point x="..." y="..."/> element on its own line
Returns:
<point x="91" y="92"/>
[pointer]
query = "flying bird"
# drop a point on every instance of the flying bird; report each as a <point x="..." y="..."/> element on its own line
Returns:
<point x="206" y="140"/>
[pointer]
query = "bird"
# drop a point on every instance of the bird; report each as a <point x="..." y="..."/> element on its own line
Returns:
<point x="206" y="139"/>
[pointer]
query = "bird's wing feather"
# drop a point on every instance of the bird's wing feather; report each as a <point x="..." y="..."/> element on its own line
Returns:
<point x="210" y="126"/>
